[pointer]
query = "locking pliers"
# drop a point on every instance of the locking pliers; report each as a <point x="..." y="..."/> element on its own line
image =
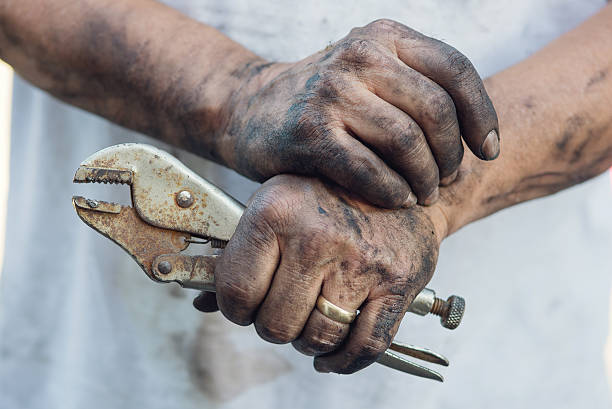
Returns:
<point x="173" y="207"/>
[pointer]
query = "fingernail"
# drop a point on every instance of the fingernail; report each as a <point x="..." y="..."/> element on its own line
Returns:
<point x="432" y="198"/>
<point x="411" y="201"/>
<point x="490" y="147"/>
<point x="447" y="180"/>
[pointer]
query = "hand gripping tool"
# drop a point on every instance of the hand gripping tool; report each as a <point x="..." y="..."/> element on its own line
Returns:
<point x="173" y="207"/>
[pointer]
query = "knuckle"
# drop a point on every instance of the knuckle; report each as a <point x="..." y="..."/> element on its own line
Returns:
<point x="405" y="139"/>
<point x="234" y="301"/>
<point x="322" y="342"/>
<point x="383" y="23"/>
<point x="355" y="31"/>
<point x="393" y="304"/>
<point x="316" y="343"/>
<point x="271" y="208"/>
<point x="330" y="86"/>
<point x="384" y="26"/>
<point x="313" y="126"/>
<point x="364" y="172"/>
<point x="361" y="52"/>
<point x="367" y="354"/>
<point x="373" y="348"/>
<point x="367" y="176"/>
<point x="458" y="65"/>
<point x="314" y="242"/>
<point x="276" y="333"/>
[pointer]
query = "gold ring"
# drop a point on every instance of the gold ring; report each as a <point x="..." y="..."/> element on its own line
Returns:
<point x="334" y="312"/>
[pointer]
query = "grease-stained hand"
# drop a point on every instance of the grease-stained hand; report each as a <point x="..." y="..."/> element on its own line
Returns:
<point x="380" y="112"/>
<point x="299" y="238"/>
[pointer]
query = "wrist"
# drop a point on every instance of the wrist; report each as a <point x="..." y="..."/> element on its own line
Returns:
<point x="440" y="220"/>
<point x="249" y="76"/>
<point x="463" y="201"/>
<point x="207" y="106"/>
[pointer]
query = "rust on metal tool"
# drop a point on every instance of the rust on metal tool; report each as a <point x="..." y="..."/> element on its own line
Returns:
<point x="86" y="174"/>
<point x="165" y="193"/>
<point x="196" y="272"/>
<point x="97" y="205"/>
<point x="140" y="240"/>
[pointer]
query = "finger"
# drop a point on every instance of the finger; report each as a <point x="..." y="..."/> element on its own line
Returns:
<point x="426" y="103"/>
<point x="244" y="271"/>
<point x="456" y="74"/>
<point x="398" y="139"/>
<point x="292" y="295"/>
<point x="370" y="336"/>
<point x="353" y="166"/>
<point x="321" y="334"/>
<point x="206" y="302"/>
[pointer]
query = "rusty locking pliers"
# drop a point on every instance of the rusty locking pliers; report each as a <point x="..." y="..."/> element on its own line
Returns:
<point x="174" y="207"/>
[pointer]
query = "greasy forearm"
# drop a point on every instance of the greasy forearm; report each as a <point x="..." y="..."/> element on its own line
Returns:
<point x="556" y="124"/>
<point x="135" y="62"/>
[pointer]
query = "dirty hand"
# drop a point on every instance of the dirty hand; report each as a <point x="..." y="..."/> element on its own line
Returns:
<point x="381" y="113"/>
<point x="299" y="238"/>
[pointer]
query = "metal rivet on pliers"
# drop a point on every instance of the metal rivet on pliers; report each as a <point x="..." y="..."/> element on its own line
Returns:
<point x="164" y="267"/>
<point x="184" y="198"/>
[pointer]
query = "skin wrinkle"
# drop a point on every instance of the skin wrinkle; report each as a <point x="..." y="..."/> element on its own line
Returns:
<point x="546" y="183"/>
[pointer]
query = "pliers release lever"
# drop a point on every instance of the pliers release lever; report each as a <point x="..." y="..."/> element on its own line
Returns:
<point x="174" y="207"/>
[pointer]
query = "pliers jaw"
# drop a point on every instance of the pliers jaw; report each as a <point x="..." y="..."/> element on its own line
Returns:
<point x="165" y="193"/>
<point x="171" y="206"/>
<point x="121" y="224"/>
<point x="391" y="359"/>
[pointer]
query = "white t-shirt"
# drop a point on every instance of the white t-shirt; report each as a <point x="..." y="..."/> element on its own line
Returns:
<point x="82" y="327"/>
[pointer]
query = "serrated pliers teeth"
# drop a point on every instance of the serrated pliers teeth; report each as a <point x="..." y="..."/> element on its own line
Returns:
<point x="87" y="174"/>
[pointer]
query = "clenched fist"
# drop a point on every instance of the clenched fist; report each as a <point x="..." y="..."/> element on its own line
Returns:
<point x="299" y="238"/>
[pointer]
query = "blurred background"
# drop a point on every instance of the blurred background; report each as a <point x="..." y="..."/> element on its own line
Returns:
<point x="6" y="86"/>
<point x="537" y="295"/>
